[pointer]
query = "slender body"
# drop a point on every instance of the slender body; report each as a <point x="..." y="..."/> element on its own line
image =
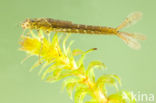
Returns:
<point x="48" y="24"/>
<point x="52" y="25"/>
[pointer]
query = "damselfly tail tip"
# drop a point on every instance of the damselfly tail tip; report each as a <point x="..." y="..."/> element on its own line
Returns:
<point x="130" y="20"/>
<point x="131" y="39"/>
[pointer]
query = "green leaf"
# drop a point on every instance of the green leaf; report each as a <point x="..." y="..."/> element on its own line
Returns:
<point x="69" y="84"/>
<point x="70" y="80"/>
<point x="49" y="70"/>
<point x="90" y="70"/>
<point x="43" y="67"/>
<point x="68" y="50"/>
<point x="109" y="79"/>
<point x="55" y="39"/>
<point x="55" y="76"/>
<point x="64" y="44"/>
<point x="33" y="34"/>
<point x="36" y="64"/>
<point x="79" y="95"/>
<point x="83" y="56"/>
<point x="59" y="74"/>
<point x="117" y="78"/>
<point x="27" y="57"/>
<point x="81" y="69"/>
<point x="76" y="52"/>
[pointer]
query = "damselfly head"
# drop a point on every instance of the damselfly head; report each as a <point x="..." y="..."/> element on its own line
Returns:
<point x="28" y="24"/>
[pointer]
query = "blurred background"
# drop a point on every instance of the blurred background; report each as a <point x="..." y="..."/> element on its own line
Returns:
<point x="137" y="69"/>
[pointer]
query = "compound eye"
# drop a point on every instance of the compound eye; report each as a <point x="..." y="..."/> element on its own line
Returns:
<point x="25" y="24"/>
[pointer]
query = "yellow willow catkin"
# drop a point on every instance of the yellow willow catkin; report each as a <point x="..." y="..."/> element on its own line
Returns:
<point x="58" y="62"/>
